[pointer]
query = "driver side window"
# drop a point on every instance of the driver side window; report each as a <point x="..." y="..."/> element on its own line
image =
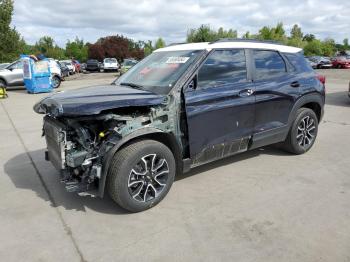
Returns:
<point x="223" y="67"/>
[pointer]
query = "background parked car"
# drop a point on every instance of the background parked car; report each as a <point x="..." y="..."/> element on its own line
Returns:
<point x="70" y="66"/>
<point x="56" y="73"/>
<point x="321" y="62"/>
<point x="341" y="62"/>
<point x="312" y="63"/>
<point x="110" y="64"/>
<point x="127" y="64"/>
<point x="92" y="65"/>
<point x="12" y="75"/>
<point x="64" y="69"/>
<point x="77" y="66"/>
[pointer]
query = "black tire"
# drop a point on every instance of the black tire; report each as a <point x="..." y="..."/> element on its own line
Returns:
<point x="2" y="83"/>
<point x="339" y="66"/>
<point x="296" y="142"/>
<point x="56" y="81"/>
<point x="121" y="174"/>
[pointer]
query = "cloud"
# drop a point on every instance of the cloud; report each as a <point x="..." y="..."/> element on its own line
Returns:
<point x="143" y="20"/>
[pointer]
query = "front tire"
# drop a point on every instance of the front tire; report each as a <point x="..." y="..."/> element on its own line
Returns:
<point x="141" y="175"/>
<point x="303" y="132"/>
<point x="2" y="83"/>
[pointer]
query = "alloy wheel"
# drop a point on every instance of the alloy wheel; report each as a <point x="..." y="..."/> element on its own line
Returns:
<point x="306" y="132"/>
<point x="148" y="178"/>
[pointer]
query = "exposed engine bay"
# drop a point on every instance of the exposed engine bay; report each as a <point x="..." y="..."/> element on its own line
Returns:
<point x="77" y="146"/>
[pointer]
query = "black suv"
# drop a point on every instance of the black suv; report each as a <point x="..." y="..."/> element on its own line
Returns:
<point x="92" y="65"/>
<point x="181" y="107"/>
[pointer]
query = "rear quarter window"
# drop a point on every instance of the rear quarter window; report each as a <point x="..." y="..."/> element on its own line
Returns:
<point x="268" y="64"/>
<point x="298" y="62"/>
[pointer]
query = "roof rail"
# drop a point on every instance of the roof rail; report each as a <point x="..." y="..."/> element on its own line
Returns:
<point x="246" y="40"/>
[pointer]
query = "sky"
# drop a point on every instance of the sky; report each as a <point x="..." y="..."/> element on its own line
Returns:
<point x="148" y="20"/>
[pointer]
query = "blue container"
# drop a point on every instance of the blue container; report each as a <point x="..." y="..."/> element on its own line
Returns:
<point x="36" y="75"/>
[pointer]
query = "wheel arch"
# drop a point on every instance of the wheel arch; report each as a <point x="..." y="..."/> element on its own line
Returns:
<point x="314" y="101"/>
<point x="3" y="79"/>
<point x="167" y="139"/>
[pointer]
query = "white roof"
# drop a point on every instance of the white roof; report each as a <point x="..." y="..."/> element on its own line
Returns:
<point x="231" y="44"/>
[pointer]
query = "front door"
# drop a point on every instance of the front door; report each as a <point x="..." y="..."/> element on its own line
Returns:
<point x="220" y="107"/>
<point x="16" y="74"/>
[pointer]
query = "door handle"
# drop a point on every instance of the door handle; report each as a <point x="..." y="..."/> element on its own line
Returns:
<point x="246" y="92"/>
<point x="295" y="84"/>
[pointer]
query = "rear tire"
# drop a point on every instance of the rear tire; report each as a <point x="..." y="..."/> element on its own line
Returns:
<point x="141" y="175"/>
<point x="303" y="132"/>
<point x="56" y="81"/>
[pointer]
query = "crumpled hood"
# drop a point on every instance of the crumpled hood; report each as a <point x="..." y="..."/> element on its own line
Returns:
<point x="93" y="100"/>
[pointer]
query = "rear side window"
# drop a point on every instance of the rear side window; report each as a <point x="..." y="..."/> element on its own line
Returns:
<point x="299" y="62"/>
<point x="223" y="67"/>
<point x="268" y="64"/>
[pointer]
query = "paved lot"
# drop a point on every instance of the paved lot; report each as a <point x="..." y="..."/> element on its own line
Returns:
<point x="263" y="205"/>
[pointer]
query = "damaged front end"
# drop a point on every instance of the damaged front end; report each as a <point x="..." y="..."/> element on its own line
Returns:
<point x="78" y="146"/>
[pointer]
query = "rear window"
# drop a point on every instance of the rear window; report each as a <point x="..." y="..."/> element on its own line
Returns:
<point x="110" y="60"/>
<point x="268" y="64"/>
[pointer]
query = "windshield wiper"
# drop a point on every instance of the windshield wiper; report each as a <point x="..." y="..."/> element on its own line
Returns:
<point x="136" y="86"/>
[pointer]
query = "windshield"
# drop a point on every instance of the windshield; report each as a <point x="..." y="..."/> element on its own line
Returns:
<point x="110" y="60"/>
<point x="159" y="71"/>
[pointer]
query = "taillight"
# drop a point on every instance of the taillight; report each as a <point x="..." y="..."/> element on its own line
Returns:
<point x="322" y="79"/>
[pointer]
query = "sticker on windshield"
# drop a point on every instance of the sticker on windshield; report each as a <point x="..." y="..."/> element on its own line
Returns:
<point x="177" y="60"/>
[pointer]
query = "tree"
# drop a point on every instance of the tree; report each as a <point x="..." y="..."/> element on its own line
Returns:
<point x="266" y="33"/>
<point x="279" y="33"/>
<point x="309" y="37"/>
<point x="313" y="48"/>
<point x="296" y="32"/>
<point x="159" y="43"/>
<point x="148" y="47"/>
<point x="328" y="47"/>
<point x="346" y="44"/>
<point x="246" y="35"/>
<point x="11" y="43"/>
<point x="116" y="46"/>
<point x="205" y="34"/>
<point x="46" y="46"/>
<point x="77" y="49"/>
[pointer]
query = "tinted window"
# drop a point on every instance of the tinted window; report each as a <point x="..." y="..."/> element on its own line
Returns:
<point x="268" y="64"/>
<point x="299" y="62"/>
<point x="223" y="67"/>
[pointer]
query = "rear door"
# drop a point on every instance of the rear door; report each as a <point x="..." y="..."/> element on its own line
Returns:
<point x="220" y="109"/>
<point x="276" y="89"/>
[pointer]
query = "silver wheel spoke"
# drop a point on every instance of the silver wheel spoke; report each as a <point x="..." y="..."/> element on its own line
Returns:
<point x="305" y="135"/>
<point x="311" y="128"/>
<point x="134" y="183"/>
<point x="137" y="193"/>
<point x="148" y="178"/>
<point x="146" y="193"/>
<point x="300" y="135"/>
<point x="162" y="162"/>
